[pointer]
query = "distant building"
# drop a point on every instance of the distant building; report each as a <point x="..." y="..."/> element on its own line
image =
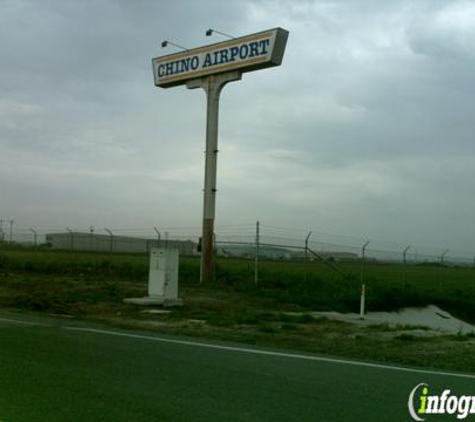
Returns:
<point x="339" y="256"/>
<point x="79" y="241"/>
<point x="333" y="256"/>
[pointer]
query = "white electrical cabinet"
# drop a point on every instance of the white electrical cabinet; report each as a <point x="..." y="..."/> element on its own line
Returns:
<point x="163" y="274"/>
<point x="162" y="279"/>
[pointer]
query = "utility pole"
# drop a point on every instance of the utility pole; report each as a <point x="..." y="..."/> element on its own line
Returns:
<point x="363" y="286"/>
<point x="1" y="231"/>
<point x="256" y="263"/>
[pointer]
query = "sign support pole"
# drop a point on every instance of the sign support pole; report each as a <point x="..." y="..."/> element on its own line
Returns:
<point x="212" y="86"/>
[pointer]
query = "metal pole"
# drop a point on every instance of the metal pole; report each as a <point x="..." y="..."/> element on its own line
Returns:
<point x="72" y="237"/>
<point x="404" y="252"/>
<point x="442" y="269"/>
<point x="91" y="237"/>
<point x="442" y="256"/>
<point x="11" y="230"/>
<point x="35" y="235"/>
<point x="363" y="286"/>
<point x="212" y="85"/>
<point x="158" y="235"/>
<point x="306" y="246"/>
<point x="111" y="239"/>
<point x="473" y="280"/>
<point x="256" y="263"/>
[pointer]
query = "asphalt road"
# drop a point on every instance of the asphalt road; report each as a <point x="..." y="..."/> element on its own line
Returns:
<point x="53" y="370"/>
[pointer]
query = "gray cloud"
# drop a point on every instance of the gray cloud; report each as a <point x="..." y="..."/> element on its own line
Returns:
<point x="365" y="130"/>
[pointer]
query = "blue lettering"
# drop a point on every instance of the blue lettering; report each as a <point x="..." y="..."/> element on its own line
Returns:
<point x="234" y="52"/>
<point x="195" y="62"/>
<point x="207" y="61"/>
<point x="243" y="51"/>
<point x="185" y="65"/>
<point x="169" y="69"/>
<point x="224" y="56"/>
<point x="254" y="46"/>
<point x="264" y="44"/>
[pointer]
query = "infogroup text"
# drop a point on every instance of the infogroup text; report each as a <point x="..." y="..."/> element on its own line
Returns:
<point x="421" y="403"/>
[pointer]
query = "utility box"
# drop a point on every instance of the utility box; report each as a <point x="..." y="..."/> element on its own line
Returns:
<point x="162" y="279"/>
<point x="163" y="274"/>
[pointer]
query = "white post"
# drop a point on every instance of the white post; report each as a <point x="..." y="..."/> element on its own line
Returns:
<point x="363" y="286"/>
<point x="212" y="85"/>
<point x="362" y="301"/>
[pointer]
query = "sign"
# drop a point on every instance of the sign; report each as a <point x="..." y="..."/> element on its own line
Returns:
<point x="251" y="52"/>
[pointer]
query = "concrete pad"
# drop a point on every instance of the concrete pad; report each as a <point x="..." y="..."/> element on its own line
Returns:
<point x="156" y="311"/>
<point x="431" y="316"/>
<point x="154" y="301"/>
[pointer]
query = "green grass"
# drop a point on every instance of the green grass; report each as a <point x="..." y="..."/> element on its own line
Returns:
<point x="276" y="312"/>
<point x="311" y="285"/>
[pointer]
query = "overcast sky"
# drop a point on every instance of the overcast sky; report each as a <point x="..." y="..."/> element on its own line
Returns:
<point x="366" y="130"/>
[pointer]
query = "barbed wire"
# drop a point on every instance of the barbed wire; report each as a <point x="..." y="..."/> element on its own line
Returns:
<point x="284" y="237"/>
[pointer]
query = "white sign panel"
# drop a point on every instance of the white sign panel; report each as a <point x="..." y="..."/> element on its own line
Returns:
<point x="251" y="52"/>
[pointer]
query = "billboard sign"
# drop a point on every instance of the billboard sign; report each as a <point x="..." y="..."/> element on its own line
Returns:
<point x="244" y="54"/>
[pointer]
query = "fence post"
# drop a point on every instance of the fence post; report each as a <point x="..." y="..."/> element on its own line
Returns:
<point x="306" y="255"/>
<point x="35" y="237"/>
<point x="473" y="279"/>
<point x="111" y="246"/>
<point x="363" y="286"/>
<point x="71" y="234"/>
<point x="11" y="231"/>
<point x="256" y="263"/>
<point x="404" y="252"/>
<point x="91" y="238"/>
<point x="442" y="269"/>
<point x="306" y="246"/>
<point x="158" y="236"/>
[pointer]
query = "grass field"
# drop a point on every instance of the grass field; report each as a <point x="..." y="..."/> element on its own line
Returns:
<point x="311" y="285"/>
<point x="231" y="307"/>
